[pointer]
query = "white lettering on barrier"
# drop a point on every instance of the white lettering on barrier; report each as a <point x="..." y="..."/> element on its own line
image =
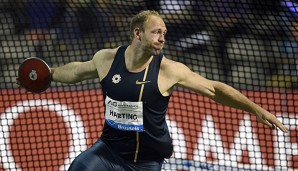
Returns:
<point x="247" y="140"/>
<point x="210" y="140"/>
<point x="284" y="149"/>
<point x="179" y="141"/>
<point x="72" y="120"/>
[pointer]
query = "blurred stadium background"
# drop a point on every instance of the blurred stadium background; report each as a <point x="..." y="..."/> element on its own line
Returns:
<point x="249" y="44"/>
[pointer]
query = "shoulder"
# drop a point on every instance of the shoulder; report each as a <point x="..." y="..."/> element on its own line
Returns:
<point x="105" y="54"/>
<point x="173" y="67"/>
<point x="103" y="60"/>
<point x="171" y="74"/>
<point x="178" y="74"/>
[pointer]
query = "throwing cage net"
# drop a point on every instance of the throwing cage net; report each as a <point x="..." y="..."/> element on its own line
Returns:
<point x="248" y="44"/>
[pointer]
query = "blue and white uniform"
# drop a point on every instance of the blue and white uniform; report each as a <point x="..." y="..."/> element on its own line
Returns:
<point x="135" y="128"/>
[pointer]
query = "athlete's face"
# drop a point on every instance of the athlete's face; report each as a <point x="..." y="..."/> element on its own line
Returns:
<point x="153" y="37"/>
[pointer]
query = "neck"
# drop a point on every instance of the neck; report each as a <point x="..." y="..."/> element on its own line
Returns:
<point x="136" y="59"/>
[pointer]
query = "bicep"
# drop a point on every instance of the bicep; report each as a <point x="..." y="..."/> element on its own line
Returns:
<point x="195" y="82"/>
<point x="86" y="70"/>
<point x="74" y="72"/>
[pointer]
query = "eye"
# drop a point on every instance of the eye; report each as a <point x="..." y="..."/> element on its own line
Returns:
<point x="164" y="33"/>
<point x="159" y="32"/>
<point x="156" y="32"/>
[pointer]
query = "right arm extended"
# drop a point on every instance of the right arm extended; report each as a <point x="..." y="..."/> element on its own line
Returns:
<point x="74" y="72"/>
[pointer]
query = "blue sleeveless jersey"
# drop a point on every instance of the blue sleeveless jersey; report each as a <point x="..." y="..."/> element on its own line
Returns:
<point x="153" y="142"/>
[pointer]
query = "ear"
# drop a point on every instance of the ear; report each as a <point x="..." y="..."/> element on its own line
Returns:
<point x="138" y="33"/>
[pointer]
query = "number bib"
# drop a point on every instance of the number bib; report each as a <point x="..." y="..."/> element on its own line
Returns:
<point x="124" y="115"/>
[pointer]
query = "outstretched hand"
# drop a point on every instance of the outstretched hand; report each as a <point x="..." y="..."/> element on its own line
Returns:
<point x="271" y="121"/>
<point x="34" y="75"/>
<point x="18" y="82"/>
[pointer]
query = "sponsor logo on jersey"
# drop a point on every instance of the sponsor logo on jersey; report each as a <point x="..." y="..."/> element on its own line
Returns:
<point x="116" y="78"/>
<point x="142" y="82"/>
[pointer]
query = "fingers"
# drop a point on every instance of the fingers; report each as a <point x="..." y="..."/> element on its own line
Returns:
<point x="281" y="126"/>
<point x="274" y="124"/>
<point x="18" y="83"/>
<point x="273" y="127"/>
<point x="266" y="122"/>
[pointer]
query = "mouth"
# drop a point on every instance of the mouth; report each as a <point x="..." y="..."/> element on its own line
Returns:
<point x="158" y="46"/>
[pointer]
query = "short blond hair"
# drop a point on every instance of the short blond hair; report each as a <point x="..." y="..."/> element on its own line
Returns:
<point x="138" y="21"/>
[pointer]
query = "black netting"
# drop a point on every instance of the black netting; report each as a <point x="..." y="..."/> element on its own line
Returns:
<point x="249" y="44"/>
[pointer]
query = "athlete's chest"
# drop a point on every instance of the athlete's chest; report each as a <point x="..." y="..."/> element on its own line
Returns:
<point x="123" y="85"/>
<point x="130" y="86"/>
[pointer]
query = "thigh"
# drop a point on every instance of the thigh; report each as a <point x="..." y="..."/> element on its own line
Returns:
<point x="98" y="158"/>
<point x="101" y="158"/>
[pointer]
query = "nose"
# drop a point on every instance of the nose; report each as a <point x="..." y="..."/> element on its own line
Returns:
<point x="161" y="38"/>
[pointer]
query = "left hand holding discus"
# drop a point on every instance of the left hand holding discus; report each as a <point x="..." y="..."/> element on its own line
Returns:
<point x="34" y="75"/>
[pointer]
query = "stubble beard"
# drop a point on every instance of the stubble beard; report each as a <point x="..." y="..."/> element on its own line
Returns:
<point x="156" y="51"/>
<point x="152" y="49"/>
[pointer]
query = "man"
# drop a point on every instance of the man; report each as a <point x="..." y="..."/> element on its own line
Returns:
<point x="137" y="82"/>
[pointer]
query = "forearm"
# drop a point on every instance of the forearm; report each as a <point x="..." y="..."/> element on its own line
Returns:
<point x="66" y="73"/>
<point x="229" y="96"/>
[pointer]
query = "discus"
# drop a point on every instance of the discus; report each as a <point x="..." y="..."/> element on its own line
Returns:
<point x="34" y="75"/>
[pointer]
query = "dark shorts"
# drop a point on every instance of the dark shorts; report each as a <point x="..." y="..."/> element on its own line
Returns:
<point x="101" y="158"/>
